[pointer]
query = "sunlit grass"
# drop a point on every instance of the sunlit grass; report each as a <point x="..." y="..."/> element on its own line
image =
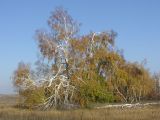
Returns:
<point x="151" y="113"/>
<point x="9" y="112"/>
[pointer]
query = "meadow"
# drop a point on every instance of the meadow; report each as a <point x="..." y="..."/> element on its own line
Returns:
<point x="8" y="111"/>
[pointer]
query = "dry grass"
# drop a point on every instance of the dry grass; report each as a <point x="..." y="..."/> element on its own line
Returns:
<point x="152" y="113"/>
<point x="7" y="112"/>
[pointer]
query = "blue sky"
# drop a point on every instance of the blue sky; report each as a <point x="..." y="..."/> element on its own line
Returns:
<point x="137" y="23"/>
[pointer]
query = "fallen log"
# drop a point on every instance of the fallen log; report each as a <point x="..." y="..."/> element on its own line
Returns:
<point x="136" y="105"/>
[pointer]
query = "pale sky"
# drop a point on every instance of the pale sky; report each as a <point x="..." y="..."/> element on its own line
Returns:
<point x="137" y="23"/>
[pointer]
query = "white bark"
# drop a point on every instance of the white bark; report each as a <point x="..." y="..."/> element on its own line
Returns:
<point x="136" y="105"/>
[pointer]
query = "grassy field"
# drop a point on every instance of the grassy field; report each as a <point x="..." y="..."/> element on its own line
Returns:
<point x="8" y="112"/>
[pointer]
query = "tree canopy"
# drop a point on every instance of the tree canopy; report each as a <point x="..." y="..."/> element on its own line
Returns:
<point x="77" y="70"/>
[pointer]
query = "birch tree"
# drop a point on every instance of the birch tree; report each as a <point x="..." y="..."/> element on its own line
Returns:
<point x="76" y="70"/>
